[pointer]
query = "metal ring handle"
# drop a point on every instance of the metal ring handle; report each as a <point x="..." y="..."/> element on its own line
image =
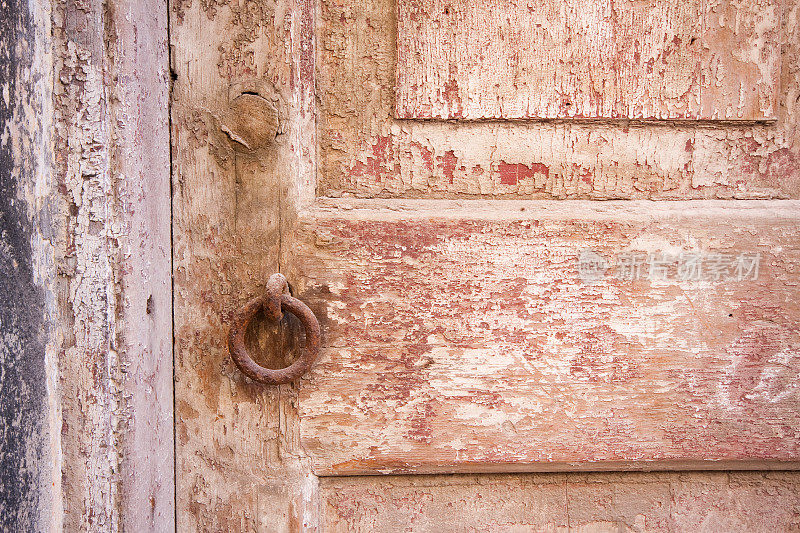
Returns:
<point x="273" y="301"/>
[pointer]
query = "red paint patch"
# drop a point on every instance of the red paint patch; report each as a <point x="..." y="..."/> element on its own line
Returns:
<point x="453" y="98"/>
<point x="426" y="154"/>
<point x="512" y="173"/>
<point x="540" y="168"/>
<point x="377" y="165"/>
<point x="447" y="164"/>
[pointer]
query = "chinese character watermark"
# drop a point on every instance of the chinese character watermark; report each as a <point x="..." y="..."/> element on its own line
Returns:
<point x="685" y="266"/>
<point x="591" y="266"/>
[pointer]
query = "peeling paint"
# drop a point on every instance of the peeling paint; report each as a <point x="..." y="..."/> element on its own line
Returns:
<point x="601" y="159"/>
<point x="625" y="502"/>
<point x="676" y="372"/>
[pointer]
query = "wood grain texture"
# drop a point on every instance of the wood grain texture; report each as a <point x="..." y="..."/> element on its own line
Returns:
<point x="630" y="59"/>
<point x="238" y="466"/>
<point x="142" y="169"/>
<point x="564" y="502"/>
<point x="113" y="341"/>
<point x="367" y="152"/>
<point x="459" y="337"/>
<point x="395" y="319"/>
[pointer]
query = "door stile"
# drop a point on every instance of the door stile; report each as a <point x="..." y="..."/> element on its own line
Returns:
<point x="243" y="131"/>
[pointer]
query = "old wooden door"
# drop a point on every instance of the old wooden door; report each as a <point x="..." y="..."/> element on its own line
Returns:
<point x="539" y="237"/>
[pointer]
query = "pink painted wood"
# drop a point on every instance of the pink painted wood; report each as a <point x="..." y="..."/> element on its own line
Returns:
<point x="462" y="338"/>
<point x="635" y="59"/>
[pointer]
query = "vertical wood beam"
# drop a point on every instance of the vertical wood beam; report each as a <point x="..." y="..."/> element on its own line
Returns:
<point x="113" y="169"/>
<point x="236" y="192"/>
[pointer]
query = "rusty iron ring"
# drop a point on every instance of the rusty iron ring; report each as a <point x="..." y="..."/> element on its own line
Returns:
<point x="245" y="314"/>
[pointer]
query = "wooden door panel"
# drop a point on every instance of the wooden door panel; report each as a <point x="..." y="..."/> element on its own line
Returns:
<point x="651" y="59"/>
<point x="459" y="337"/>
<point x="366" y="151"/>
<point x="462" y="337"/>
<point x="562" y="502"/>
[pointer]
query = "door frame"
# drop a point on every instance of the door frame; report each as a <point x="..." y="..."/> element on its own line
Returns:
<point x="105" y="80"/>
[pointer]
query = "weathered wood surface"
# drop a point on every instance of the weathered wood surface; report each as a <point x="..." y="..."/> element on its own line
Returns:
<point x="237" y="182"/>
<point x="634" y="59"/>
<point x="366" y="152"/>
<point x="564" y="502"/>
<point x="244" y="451"/>
<point x="85" y="246"/>
<point x="112" y="344"/>
<point x="459" y="337"/>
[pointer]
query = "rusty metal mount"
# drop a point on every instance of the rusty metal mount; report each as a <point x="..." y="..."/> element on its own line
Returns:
<point x="274" y="302"/>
